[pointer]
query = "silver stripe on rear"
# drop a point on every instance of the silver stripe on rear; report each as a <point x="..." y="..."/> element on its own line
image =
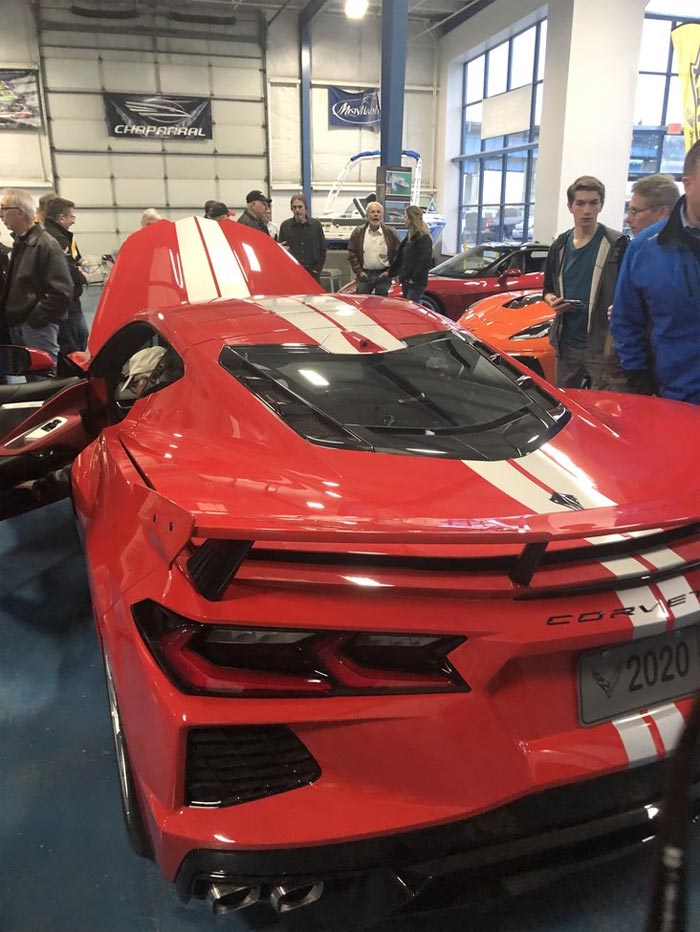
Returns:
<point x="636" y="739"/>
<point x="670" y="722"/>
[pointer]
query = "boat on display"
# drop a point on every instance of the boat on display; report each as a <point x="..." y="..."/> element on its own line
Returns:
<point x="338" y="227"/>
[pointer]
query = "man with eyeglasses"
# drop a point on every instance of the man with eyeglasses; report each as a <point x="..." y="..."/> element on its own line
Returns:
<point x="38" y="289"/>
<point x="655" y="322"/>
<point x="653" y="199"/>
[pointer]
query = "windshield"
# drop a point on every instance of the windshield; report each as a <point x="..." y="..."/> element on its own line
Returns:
<point x="479" y="260"/>
<point x="440" y="395"/>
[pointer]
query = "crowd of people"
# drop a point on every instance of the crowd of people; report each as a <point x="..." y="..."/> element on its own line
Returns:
<point x="625" y="314"/>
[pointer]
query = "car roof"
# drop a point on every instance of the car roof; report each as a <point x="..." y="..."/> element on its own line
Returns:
<point x="171" y="265"/>
<point x="337" y="323"/>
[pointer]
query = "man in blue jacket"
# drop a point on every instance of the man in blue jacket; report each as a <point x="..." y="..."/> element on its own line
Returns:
<point x="656" y="318"/>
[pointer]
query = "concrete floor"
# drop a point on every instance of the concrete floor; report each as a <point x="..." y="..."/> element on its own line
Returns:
<point x="66" y="863"/>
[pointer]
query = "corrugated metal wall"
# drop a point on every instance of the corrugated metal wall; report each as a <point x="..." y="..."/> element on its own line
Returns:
<point x="113" y="179"/>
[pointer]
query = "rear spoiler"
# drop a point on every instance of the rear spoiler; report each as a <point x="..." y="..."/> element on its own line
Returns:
<point x="229" y="538"/>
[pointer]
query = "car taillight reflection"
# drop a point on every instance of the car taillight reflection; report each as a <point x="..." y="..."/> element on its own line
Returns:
<point x="226" y="660"/>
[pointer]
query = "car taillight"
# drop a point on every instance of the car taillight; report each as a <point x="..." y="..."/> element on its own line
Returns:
<point x="226" y="660"/>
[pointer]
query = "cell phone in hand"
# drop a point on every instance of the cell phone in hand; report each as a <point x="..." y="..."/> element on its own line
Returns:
<point x="575" y="304"/>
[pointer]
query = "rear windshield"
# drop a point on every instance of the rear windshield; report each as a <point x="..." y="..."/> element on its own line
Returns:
<point x="444" y="394"/>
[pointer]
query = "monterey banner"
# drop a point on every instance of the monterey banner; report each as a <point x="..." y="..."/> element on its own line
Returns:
<point x="150" y="116"/>
<point x="686" y="42"/>
<point x="353" y="108"/>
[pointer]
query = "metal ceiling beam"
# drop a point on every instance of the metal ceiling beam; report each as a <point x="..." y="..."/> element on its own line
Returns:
<point x="310" y="12"/>
<point x="394" y="43"/>
<point x="461" y="16"/>
<point x="306" y="17"/>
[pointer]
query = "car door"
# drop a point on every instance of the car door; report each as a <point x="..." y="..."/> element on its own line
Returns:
<point x="50" y="435"/>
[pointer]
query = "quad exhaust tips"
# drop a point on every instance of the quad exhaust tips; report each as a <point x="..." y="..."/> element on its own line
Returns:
<point x="284" y="897"/>
<point x="227" y="897"/>
<point x="288" y="896"/>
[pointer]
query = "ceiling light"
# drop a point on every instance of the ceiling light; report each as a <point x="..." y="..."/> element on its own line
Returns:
<point x="355" y="9"/>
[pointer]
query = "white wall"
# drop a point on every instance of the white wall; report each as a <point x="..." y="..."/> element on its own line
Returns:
<point x="346" y="54"/>
<point x="587" y="107"/>
<point x="25" y="159"/>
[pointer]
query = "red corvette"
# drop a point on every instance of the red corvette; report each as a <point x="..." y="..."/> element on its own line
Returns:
<point x="478" y="272"/>
<point x="384" y="616"/>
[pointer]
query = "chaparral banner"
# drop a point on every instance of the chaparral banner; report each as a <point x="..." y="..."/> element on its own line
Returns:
<point x="686" y="42"/>
<point x="19" y="100"/>
<point x="149" y="116"/>
<point x="353" y="108"/>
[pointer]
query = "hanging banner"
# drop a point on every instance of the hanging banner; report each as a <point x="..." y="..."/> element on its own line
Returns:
<point x="686" y="42"/>
<point x="19" y="100"/>
<point x="149" y="116"/>
<point x="353" y="108"/>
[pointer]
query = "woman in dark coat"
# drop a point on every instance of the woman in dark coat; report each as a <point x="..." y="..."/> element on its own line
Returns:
<point x="414" y="257"/>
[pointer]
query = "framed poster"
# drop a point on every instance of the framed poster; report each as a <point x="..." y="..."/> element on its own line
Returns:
<point x="20" y="107"/>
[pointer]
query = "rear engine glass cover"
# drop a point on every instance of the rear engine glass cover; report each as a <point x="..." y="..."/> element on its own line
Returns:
<point x="442" y="395"/>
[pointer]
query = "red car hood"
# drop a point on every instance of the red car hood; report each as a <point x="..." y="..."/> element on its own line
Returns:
<point x="589" y="480"/>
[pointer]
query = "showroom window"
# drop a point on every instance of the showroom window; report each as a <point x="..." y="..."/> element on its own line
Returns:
<point x="657" y="139"/>
<point x="501" y="108"/>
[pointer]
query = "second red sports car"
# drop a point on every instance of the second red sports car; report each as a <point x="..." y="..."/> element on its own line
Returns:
<point x="478" y="272"/>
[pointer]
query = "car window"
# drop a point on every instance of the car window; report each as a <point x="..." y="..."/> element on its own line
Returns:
<point x="137" y="361"/>
<point x="479" y="260"/>
<point x="442" y="394"/>
<point x="536" y="260"/>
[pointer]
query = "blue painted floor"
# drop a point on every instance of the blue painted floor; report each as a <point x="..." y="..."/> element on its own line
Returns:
<point x="66" y="865"/>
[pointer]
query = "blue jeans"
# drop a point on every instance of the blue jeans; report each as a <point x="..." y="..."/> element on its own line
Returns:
<point x="373" y="283"/>
<point x="412" y="291"/>
<point x="41" y="338"/>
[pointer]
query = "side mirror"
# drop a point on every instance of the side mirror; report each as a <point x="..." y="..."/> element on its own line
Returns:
<point x="512" y="273"/>
<point x="18" y="360"/>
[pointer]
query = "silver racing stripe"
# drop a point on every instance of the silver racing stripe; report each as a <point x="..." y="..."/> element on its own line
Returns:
<point x="309" y="322"/>
<point x="350" y="317"/>
<point x="224" y="262"/>
<point x="669" y="720"/>
<point x="520" y="486"/>
<point x="198" y="278"/>
<point x="636" y="739"/>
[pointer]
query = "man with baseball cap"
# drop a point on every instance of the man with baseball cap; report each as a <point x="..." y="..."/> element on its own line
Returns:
<point x="255" y="213"/>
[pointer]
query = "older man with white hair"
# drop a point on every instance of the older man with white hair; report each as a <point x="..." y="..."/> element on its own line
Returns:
<point x="38" y="289"/>
<point x="371" y="252"/>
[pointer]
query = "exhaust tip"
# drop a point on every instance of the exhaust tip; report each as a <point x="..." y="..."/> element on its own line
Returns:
<point x="286" y="897"/>
<point x="226" y="897"/>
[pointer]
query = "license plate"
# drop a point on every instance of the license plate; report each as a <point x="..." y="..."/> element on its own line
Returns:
<point x="636" y="675"/>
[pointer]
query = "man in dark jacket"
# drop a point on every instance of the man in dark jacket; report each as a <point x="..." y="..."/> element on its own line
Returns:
<point x="60" y="217"/>
<point x="38" y="288"/>
<point x="303" y="236"/>
<point x="656" y="317"/>
<point x="579" y="284"/>
<point x="254" y="214"/>
<point x="371" y="250"/>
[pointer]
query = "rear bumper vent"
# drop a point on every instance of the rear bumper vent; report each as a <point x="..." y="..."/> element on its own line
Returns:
<point x="231" y="765"/>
